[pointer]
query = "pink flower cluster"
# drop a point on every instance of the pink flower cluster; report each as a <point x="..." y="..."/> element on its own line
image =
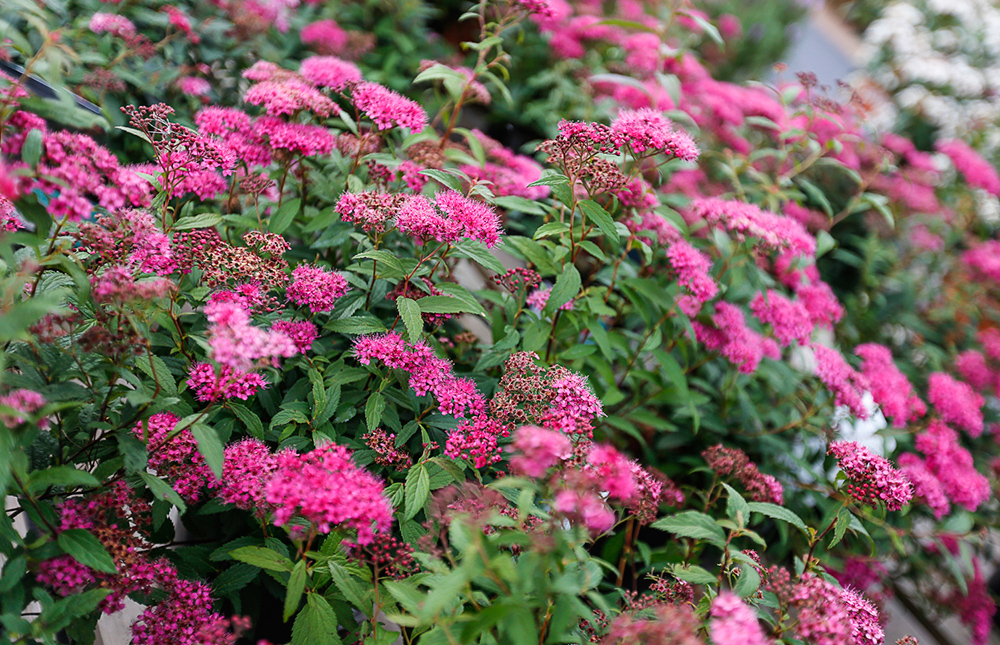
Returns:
<point x="847" y="385"/>
<point x="101" y="23"/>
<point x="329" y="72"/>
<point x="455" y="216"/>
<point x="175" y="457"/>
<point x="789" y="320"/>
<point x="953" y="467"/>
<point x="956" y="402"/>
<point x="734" y="623"/>
<point x="537" y="449"/>
<point x="287" y="94"/>
<point x="977" y="171"/>
<point x="508" y="172"/>
<point x="316" y="287"/>
<point x="247" y="466"/>
<point x="733" y="462"/>
<point x="772" y="232"/>
<point x="647" y="131"/>
<point x="117" y="285"/>
<point x="693" y="270"/>
<point x="369" y="210"/>
<point x="732" y="338"/>
<point x="238" y="344"/>
<point x="890" y="389"/>
<point x="301" y="332"/>
<point x="129" y="238"/>
<point x="327" y="489"/>
<point x="984" y="260"/>
<point x="873" y="478"/>
<point x="226" y="384"/>
<point x="538" y="298"/>
<point x="25" y="403"/>
<point x="387" y="109"/>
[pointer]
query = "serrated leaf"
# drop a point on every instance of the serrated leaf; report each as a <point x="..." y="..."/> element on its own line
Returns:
<point x="356" y="325"/>
<point x="566" y="288"/>
<point x="66" y="476"/>
<point x="477" y="252"/>
<point x="262" y="558"/>
<point x="234" y="578"/>
<point x="210" y="446"/>
<point x="418" y="489"/>
<point x="595" y="213"/>
<point x="736" y="507"/>
<point x="374" y="409"/>
<point x="203" y="220"/>
<point x="31" y="149"/>
<point x="348" y="586"/>
<point x="843" y="521"/>
<point x="409" y="311"/>
<point x="316" y="624"/>
<point x="249" y="419"/>
<point x="156" y="369"/>
<point x="282" y="219"/>
<point x="781" y="513"/>
<point x="163" y="490"/>
<point x="86" y="549"/>
<point x="692" y="524"/>
<point x="448" y="305"/>
<point x="551" y="228"/>
<point x="550" y="178"/>
<point x="693" y="573"/>
<point x="296" y="585"/>
<point x="748" y="581"/>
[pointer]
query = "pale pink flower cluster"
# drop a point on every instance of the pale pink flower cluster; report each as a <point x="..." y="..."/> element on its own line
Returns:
<point x="971" y="364"/>
<point x="316" y="287"/>
<point x="25" y="403"/>
<point x="773" y="232"/>
<point x="455" y="216"/>
<point x="847" y="385"/>
<point x="329" y="72"/>
<point x="298" y="138"/>
<point x="387" y="109"/>
<point x="586" y="486"/>
<point x="873" y="478"/>
<point x="977" y="171"/>
<point x="289" y="95"/>
<point x="227" y="384"/>
<point x="327" y="489"/>
<point x="953" y="466"/>
<point x="732" y="338"/>
<point x="325" y="36"/>
<point x="693" y="270"/>
<point x="734" y="623"/>
<point x="538" y="449"/>
<point x="238" y="344"/>
<point x="865" y="626"/>
<point x="101" y="23"/>
<point x="369" y="210"/>
<point x="926" y="485"/>
<point x="175" y="457"/>
<point x="538" y="298"/>
<point x="890" y="389"/>
<point x="194" y="86"/>
<point x="789" y="320"/>
<point x="956" y="402"/>
<point x="238" y="131"/>
<point x="117" y="285"/>
<point x="648" y="131"/>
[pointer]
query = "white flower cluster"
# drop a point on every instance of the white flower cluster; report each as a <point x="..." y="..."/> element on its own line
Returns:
<point x="941" y="59"/>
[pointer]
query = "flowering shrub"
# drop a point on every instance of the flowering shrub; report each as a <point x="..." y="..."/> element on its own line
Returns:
<point x="306" y="338"/>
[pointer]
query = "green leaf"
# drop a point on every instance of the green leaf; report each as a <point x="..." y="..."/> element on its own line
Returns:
<point x="66" y="476"/>
<point x="210" y="446"/>
<point x="316" y="624"/>
<point x="477" y="252"/>
<point x="445" y="590"/>
<point x="693" y="573"/>
<point x="296" y="585"/>
<point x="843" y="521"/>
<point x="252" y="422"/>
<point x="736" y="507"/>
<point x="356" y="325"/>
<point x="86" y="549"/>
<point x="449" y="305"/>
<point x="816" y="195"/>
<point x="566" y="288"/>
<point x="203" y="220"/>
<point x="776" y="512"/>
<point x="748" y="581"/>
<point x="550" y="178"/>
<point x="374" y="409"/>
<point x="692" y="524"/>
<point x="262" y="558"/>
<point x="385" y="258"/>
<point x="551" y="228"/>
<point x="348" y="586"/>
<point x="31" y="149"/>
<point x="285" y="216"/>
<point x="156" y="369"/>
<point x="595" y="213"/>
<point x="445" y="178"/>
<point x="418" y="489"/>
<point x="514" y="203"/>
<point x="234" y="578"/>
<point x="459" y="292"/>
<point x="409" y="311"/>
<point x="163" y="490"/>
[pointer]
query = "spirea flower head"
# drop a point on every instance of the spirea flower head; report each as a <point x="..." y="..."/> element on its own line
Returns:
<point x="25" y="403"/>
<point x="693" y="269"/>
<point x="731" y="337"/>
<point x="110" y="23"/>
<point x="316" y="287"/>
<point x="864" y="618"/>
<point x="246" y="467"/>
<point x="386" y="452"/>
<point x="573" y="405"/>
<point x="647" y="130"/>
<point x="369" y="210"/>
<point x="873" y="478"/>
<point x="953" y="466"/>
<point x="733" y="462"/>
<point x="734" y="623"/>
<point x="611" y="472"/>
<point x="328" y="490"/>
<point x="956" y="402"/>
<point x="823" y="618"/>
<point x="984" y="260"/>
<point x="179" y="619"/>
<point x="977" y="171"/>
<point x="888" y="386"/>
<point x="387" y="109"/>
<point x="459" y="397"/>
<point x="298" y="138"/>
<point x="477" y="440"/>
<point x="238" y="344"/>
<point x="175" y="457"/>
<point x="846" y="384"/>
<point x="973" y="368"/>
<point x="418" y="217"/>
<point x="926" y="485"/>
<point x="329" y="72"/>
<point x="301" y="332"/>
<point x="538" y="449"/>
<point x="789" y="320"/>
<point x="538" y="298"/>
<point x="227" y="384"/>
<point x="772" y="232"/>
<point x="479" y="221"/>
<point x="289" y="96"/>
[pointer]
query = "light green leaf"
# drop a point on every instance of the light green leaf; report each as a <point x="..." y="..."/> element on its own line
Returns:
<point x="86" y="549"/>
<point x="418" y="489"/>
<point x="409" y="311"/>
<point x="692" y="524"/>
